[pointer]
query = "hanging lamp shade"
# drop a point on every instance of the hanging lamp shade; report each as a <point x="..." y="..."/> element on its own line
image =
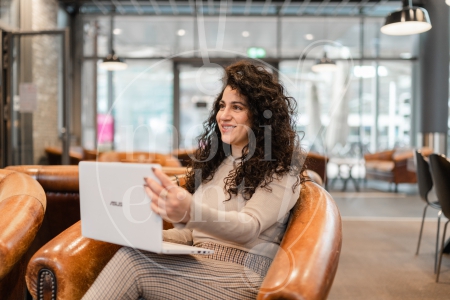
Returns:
<point x="113" y="63"/>
<point x="447" y="2"/>
<point x="408" y="20"/>
<point x="324" y="65"/>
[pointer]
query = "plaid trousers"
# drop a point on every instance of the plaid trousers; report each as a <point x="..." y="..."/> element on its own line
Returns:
<point x="229" y="273"/>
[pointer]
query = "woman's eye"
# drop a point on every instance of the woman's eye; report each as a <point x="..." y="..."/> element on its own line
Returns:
<point x="221" y="106"/>
<point x="237" y="107"/>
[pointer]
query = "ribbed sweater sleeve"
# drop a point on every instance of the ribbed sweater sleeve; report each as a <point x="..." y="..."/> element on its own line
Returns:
<point x="179" y="236"/>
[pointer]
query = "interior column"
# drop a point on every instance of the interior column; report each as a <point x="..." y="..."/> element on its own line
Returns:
<point x="434" y="68"/>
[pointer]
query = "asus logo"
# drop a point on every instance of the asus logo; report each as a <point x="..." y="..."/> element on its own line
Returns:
<point x="114" y="203"/>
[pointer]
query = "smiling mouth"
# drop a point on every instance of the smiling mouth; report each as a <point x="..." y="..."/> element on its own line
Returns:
<point x="228" y="128"/>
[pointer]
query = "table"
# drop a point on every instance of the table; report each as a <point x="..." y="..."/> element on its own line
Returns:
<point x="349" y="163"/>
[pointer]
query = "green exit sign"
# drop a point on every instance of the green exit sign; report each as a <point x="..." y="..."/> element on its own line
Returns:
<point x="255" y="52"/>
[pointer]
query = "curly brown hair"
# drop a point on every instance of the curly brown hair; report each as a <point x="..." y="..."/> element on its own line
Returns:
<point x="268" y="107"/>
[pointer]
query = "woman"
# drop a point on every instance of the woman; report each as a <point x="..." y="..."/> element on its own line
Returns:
<point x="243" y="182"/>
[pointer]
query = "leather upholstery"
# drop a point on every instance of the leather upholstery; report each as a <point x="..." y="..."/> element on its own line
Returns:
<point x="305" y="266"/>
<point x="61" y="187"/>
<point x="392" y="165"/>
<point x="311" y="245"/>
<point x="140" y="157"/>
<point x="22" y="209"/>
<point x="317" y="163"/>
<point x="54" y="155"/>
<point x="72" y="263"/>
<point x="184" y="155"/>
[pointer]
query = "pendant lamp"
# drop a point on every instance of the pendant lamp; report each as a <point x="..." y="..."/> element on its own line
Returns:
<point x="408" y="20"/>
<point x="324" y="65"/>
<point x="112" y="62"/>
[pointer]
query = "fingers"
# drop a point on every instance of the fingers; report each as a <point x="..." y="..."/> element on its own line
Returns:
<point x="154" y="186"/>
<point x="169" y="201"/>
<point x="160" y="190"/>
<point x="165" y="180"/>
<point x="158" y="210"/>
<point x="158" y="204"/>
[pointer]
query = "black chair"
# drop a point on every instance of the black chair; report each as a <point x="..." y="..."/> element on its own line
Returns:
<point x="425" y="183"/>
<point x="440" y="172"/>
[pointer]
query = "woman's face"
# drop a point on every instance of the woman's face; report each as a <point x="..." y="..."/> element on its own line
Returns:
<point x="233" y="119"/>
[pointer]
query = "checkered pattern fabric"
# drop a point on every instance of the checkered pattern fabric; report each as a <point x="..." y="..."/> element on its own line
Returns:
<point x="229" y="273"/>
<point x="257" y="263"/>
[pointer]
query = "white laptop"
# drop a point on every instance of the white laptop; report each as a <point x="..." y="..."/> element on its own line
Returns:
<point x="116" y="209"/>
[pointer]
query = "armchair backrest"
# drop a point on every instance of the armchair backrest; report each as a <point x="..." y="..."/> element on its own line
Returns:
<point x="317" y="163"/>
<point x="22" y="209"/>
<point x="162" y="159"/>
<point x="305" y="265"/>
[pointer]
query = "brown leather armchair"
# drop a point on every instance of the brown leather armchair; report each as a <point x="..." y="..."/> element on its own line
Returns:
<point x="164" y="160"/>
<point x="22" y="209"/>
<point x="60" y="184"/>
<point x="184" y="155"/>
<point x="67" y="266"/>
<point x="394" y="166"/>
<point x="54" y="155"/>
<point x="317" y="163"/>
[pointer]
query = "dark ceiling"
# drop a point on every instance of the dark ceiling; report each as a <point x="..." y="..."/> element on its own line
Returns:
<point x="234" y="7"/>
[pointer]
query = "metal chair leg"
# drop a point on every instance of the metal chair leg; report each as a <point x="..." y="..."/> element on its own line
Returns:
<point x="437" y="241"/>
<point x="421" y="229"/>
<point x="442" y="252"/>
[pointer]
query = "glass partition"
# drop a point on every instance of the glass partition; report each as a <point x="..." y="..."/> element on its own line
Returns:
<point x="141" y="107"/>
<point x="199" y="88"/>
<point x="376" y="104"/>
<point x="299" y="34"/>
<point x="369" y="111"/>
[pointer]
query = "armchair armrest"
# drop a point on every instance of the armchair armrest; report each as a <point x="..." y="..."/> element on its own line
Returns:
<point x="68" y="265"/>
<point x="21" y="217"/>
<point x="403" y="157"/>
<point x="383" y="155"/>
<point x="22" y="208"/>
<point x="307" y="261"/>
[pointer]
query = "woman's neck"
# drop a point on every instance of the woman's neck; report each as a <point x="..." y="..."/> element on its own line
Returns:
<point x="236" y="151"/>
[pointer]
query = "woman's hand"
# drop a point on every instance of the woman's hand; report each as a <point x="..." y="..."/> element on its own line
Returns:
<point x="171" y="202"/>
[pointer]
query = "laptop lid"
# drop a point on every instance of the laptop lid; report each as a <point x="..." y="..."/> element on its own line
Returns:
<point x="114" y="205"/>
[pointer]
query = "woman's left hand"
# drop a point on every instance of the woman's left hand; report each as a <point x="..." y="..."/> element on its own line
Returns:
<point x="171" y="202"/>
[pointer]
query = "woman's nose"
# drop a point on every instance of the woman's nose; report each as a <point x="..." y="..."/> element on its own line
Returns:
<point x="225" y="115"/>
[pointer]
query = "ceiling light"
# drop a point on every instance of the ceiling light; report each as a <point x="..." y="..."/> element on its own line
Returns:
<point x="309" y="37"/>
<point x="245" y="33"/>
<point x="369" y="71"/>
<point x="113" y="63"/>
<point x="181" y="32"/>
<point x="324" y="65"/>
<point x="117" y="31"/>
<point x="406" y="55"/>
<point x="447" y="2"/>
<point x="408" y="20"/>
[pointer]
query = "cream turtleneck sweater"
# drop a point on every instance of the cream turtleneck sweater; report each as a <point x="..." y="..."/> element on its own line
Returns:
<point x="256" y="225"/>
